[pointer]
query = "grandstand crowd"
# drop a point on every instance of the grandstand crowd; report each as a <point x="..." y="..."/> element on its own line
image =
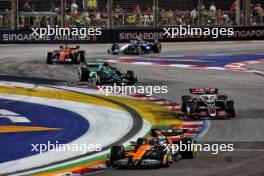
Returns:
<point x="136" y="13"/>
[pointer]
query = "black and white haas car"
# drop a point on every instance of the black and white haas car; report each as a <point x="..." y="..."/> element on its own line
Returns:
<point x="207" y="103"/>
<point x="136" y="47"/>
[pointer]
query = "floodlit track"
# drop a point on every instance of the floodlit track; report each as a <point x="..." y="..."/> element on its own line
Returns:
<point x="247" y="89"/>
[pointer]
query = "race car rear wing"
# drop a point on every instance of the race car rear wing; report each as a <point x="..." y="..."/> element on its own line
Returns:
<point x="167" y="132"/>
<point x="203" y="91"/>
<point x="95" y="64"/>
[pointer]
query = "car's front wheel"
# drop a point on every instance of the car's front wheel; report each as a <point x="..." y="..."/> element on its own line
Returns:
<point x="83" y="74"/>
<point x="230" y="108"/>
<point x="49" y="58"/>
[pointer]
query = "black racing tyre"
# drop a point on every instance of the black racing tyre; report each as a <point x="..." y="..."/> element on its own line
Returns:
<point x="230" y="108"/>
<point x="160" y="152"/>
<point x="82" y="56"/>
<point x="190" y="108"/>
<point x="185" y="99"/>
<point x="190" y="152"/>
<point x="131" y="76"/>
<point x="163" y="156"/>
<point x="76" y="58"/>
<point x="114" y="47"/>
<point x="83" y="74"/>
<point x="117" y="153"/>
<point x="49" y="58"/>
<point x="100" y="77"/>
<point x="138" y="49"/>
<point x="222" y="97"/>
<point x="156" y="47"/>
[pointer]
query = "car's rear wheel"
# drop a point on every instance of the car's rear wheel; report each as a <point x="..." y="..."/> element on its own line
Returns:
<point x="163" y="157"/>
<point x="185" y="99"/>
<point x="156" y="48"/>
<point x="114" y="48"/>
<point x="116" y="153"/>
<point x="99" y="78"/>
<point x="189" y="154"/>
<point x="190" y="109"/>
<point x="230" y="108"/>
<point x="138" y="50"/>
<point x="76" y="58"/>
<point x="49" y="58"/>
<point x="83" y="74"/>
<point x="82" y="56"/>
<point x="131" y="76"/>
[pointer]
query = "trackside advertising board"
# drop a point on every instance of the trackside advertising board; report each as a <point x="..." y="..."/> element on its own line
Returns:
<point x="124" y="35"/>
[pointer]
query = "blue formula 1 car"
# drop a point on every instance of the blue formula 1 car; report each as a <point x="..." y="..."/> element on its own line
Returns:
<point x="136" y="47"/>
<point x="103" y="73"/>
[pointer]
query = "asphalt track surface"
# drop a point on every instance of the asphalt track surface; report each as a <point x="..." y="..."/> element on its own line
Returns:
<point x="246" y="131"/>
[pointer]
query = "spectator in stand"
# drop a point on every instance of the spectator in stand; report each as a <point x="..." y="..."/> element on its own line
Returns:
<point x="162" y="16"/>
<point x="74" y="7"/>
<point x="118" y="9"/>
<point x="212" y="8"/>
<point x="233" y="7"/>
<point x="26" y="7"/>
<point x="104" y="17"/>
<point x="220" y="17"/>
<point x="170" y="17"/>
<point x="118" y="18"/>
<point x="233" y="11"/>
<point x="52" y="7"/>
<point x="148" y="10"/>
<point x="259" y="13"/>
<point x="194" y="16"/>
<point x="205" y="16"/>
<point x="43" y="22"/>
<point x="137" y="9"/>
<point x="212" y="14"/>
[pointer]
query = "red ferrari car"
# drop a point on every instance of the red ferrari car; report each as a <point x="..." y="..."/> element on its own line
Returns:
<point x="65" y="54"/>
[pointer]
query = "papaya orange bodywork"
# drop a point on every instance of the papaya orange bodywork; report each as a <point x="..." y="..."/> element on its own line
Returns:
<point x="141" y="151"/>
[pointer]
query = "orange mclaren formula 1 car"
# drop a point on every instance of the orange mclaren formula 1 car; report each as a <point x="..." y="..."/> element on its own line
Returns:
<point x="66" y="55"/>
<point x="156" y="150"/>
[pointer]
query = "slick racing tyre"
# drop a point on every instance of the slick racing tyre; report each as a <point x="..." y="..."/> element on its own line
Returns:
<point x="190" y="108"/>
<point x="131" y="76"/>
<point x="49" y="58"/>
<point x="230" y="108"/>
<point x="163" y="157"/>
<point x="82" y="56"/>
<point x="191" y="151"/>
<point x="99" y="78"/>
<point x="83" y="74"/>
<point x="185" y="99"/>
<point x="156" y="47"/>
<point x="116" y="153"/>
<point x="114" y="48"/>
<point x="76" y="58"/>
<point x="138" y="49"/>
